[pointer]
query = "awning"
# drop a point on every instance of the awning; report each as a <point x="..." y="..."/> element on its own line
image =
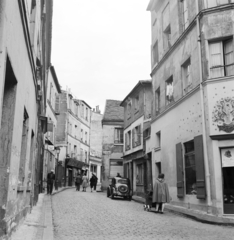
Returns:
<point x="72" y="162"/>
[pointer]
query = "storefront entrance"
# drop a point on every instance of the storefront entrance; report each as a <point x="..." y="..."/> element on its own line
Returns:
<point x="227" y="155"/>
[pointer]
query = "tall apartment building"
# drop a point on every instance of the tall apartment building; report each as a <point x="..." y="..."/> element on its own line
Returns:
<point x="137" y="117"/>
<point x="192" y="127"/>
<point x="25" y="47"/>
<point x="73" y="137"/>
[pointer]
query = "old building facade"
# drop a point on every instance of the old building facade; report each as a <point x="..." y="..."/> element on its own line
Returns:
<point x="192" y="116"/>
<point x="137" y="116"/>
<point x="25" y="45"/>
<point x="95" y="155"/>
<point x="112" y="141"/>
<point x="73" y="137"/>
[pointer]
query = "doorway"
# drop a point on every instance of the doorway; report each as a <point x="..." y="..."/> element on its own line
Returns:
<point x="70" y="178"/>
<point x="227" y="156"/>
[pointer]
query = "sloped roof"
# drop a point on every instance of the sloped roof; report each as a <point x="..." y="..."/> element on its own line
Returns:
<point x="113" y="111"/>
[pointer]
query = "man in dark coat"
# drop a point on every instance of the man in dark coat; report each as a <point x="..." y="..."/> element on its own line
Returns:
<point x="78" y="181"/>
<point x="93" y="182"/>
<point x="50" y="181"/>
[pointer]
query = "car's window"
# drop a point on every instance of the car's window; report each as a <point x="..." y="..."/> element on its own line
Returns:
<point x="123" y="181"/>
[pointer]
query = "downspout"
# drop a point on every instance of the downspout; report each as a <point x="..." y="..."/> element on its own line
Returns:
<point x="206" y="160"/>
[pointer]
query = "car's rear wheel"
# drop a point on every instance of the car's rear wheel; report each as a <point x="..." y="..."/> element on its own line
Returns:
<point x="108" y="192"/>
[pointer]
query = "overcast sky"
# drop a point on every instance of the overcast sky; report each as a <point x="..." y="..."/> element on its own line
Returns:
<point x="101" y="48"/>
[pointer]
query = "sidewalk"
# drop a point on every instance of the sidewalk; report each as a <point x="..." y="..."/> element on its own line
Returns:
<point x="38" y="224"/>
<point x="193" y="214"/>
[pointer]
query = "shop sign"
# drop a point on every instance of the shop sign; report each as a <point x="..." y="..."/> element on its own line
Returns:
<point x="227" y="155"/>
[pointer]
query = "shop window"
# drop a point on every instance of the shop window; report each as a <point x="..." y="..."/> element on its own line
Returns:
<point x="169" y="90"/>
<point x="190" y="168"/>
<point x="186" y="76"/>
<point x="118" y="135"/>
<point x="140" y="174"/>
<point x="157" y="101"/>
<point x="221" y="58"/>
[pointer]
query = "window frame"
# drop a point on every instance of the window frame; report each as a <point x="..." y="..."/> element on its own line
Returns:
<point x="170" y="80"/>
<point x="117" y="136"/>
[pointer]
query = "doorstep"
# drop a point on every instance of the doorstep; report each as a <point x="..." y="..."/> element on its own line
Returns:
<point x="226" y="220"/>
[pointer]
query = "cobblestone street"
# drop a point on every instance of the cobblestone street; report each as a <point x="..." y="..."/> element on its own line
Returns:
<point x="86" y="215"/>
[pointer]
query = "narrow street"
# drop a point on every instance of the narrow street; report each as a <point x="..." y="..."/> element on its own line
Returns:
<point x="86" y="215"/>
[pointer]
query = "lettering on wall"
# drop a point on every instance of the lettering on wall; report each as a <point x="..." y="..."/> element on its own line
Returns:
<point x="223" y="114"/>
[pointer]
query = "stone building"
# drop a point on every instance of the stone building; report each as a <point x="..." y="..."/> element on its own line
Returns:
<point x="73" y="137"/>
<point x="25" y="46"/>
<point x="95" y="155"/>
<point x="137" y="117"/>
<point x="192" y="127"/>
<point x="112" y="141"/>
<point x="52" y="110"/>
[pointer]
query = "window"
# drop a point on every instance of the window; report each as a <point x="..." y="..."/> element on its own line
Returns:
<point x="81" y="134"/>
<point x="86" y="156"/>
<point x="86" y="137"/>
<point x="118" y="135"/>
<point x="184" y="14"/>
<point x="81" y="154"/>
<point x="221" y="58"/>
<point x="128" y="140"/>
<point x="140" y="174"/>
<point x="169" y="90"/>
<point x="166" y="27"/>
<point x="186" y="76"/>
<point x="157" y="101"/>
<point x="158" y="140"/>
<point x="86" y="116"/>
<point x="129" y="107"/>
<point x="82" y="110"/>
<point x="136" y="136"/>
<point x="136" y="103"/>
<point x="155" y="53"/>
<point x="214" y="3"/>
<point x="167" y="38"/>
<point x="190" y="167"/>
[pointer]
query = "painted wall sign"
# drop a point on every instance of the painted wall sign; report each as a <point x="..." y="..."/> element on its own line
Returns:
<point x="223" y="114"/>
<point x="227" y="155"/>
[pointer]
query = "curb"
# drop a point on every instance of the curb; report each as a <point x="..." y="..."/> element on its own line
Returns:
<point x="197" y="218"/>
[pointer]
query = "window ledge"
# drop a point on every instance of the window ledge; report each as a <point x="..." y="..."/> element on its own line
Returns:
<point x="157" y="149"/>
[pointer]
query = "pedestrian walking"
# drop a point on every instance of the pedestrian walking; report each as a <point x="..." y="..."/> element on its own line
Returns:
<point x="84" y="182"/>
<point x="78" y="181"/>
<point x="50" y="181"/>
<point x="93" y="182"/>
<point x="160" y="193"/>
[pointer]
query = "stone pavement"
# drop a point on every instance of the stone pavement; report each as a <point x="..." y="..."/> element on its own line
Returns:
<point x="93" y="216"/>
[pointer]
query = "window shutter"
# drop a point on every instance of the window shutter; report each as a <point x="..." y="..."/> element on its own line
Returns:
<point x="229" y="57"/>
<point x="200" y="170"/>
<point x="50" y="126"/>
<point x="180" y="171"/>
<point x="139" y="134"/>
<point x="133" y="138"/>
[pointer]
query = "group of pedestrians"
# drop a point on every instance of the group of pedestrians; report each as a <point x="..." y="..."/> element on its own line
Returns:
<point x="84" y="182"/>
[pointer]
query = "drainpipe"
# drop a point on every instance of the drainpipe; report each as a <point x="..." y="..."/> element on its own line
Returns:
<point x="206" y="160"/>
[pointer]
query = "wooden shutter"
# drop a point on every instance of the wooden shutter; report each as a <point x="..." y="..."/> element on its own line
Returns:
<point x="180" y="171"/>
<point x="133" y="137"/>
<point x="139" y="134"/>
<point x="200" y="170"/>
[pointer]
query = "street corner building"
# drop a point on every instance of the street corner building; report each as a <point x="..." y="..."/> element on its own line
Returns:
<point x="112" y="141"/>
<point x="192" y="120"/>
<point x="25" y="42"/>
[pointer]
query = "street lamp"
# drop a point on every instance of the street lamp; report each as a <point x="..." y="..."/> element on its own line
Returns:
<point x="57" y="149"/>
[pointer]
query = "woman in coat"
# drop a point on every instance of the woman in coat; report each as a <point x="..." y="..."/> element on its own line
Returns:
<point x="160" y="193"/>
<point x="84" y="182"/>
<point x="93" y="182"/>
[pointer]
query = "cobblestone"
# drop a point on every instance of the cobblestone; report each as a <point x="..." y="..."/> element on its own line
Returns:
<point x="86" y="215"/>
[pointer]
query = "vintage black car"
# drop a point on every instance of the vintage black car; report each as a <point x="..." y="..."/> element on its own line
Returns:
<point x="120" y="187"/>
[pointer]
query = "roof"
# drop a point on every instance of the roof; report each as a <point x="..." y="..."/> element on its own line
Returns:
<point x="113" y="111"/>
<point x="55" y="79"/>
<point x="141" y="82"/>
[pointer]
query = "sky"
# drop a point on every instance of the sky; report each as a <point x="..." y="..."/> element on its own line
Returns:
<point x="101" y="48"/>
